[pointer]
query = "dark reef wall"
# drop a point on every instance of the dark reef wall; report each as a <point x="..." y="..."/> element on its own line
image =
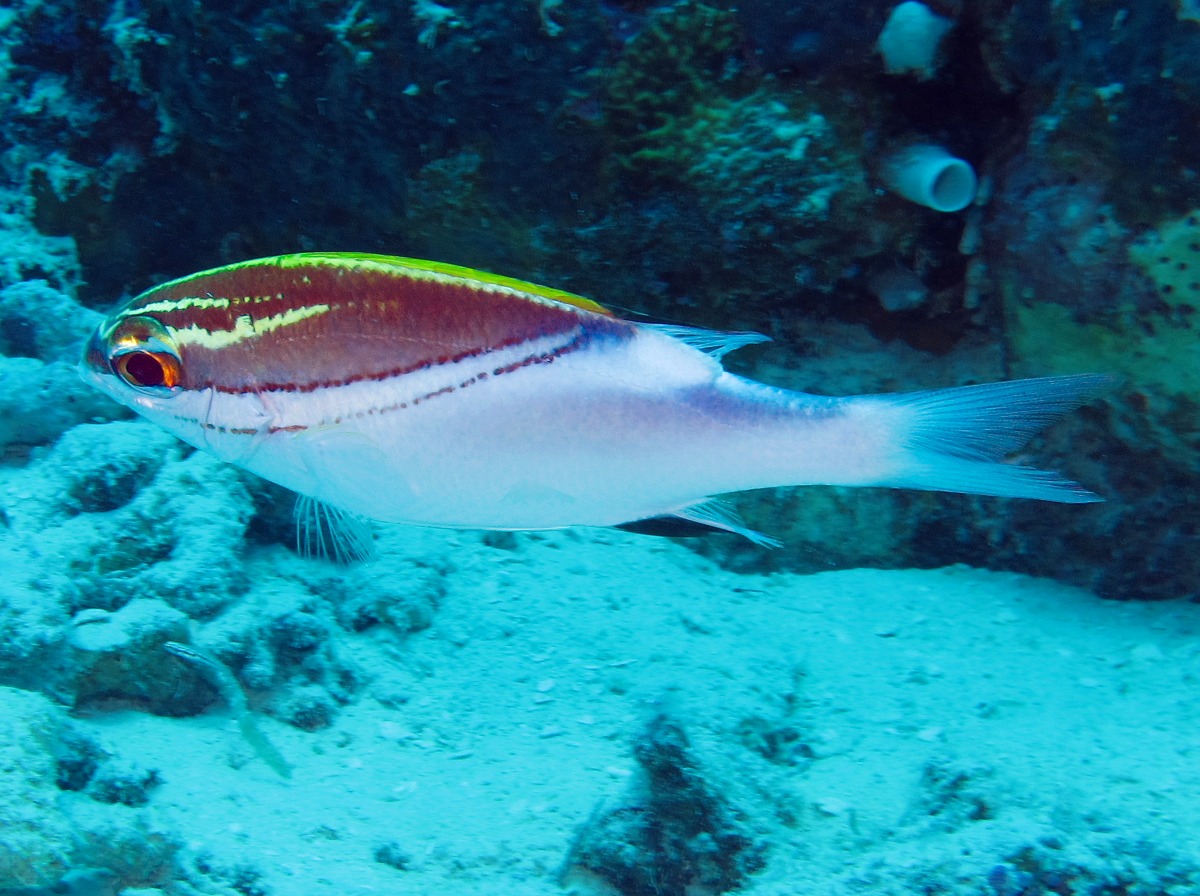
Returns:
<point x="716" y="164"/>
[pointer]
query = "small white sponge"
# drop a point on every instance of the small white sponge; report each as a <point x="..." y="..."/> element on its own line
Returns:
<point x="910" y="37"/>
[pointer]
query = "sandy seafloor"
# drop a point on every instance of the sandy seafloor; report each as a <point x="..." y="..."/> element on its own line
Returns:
<point x="950" y="719"/>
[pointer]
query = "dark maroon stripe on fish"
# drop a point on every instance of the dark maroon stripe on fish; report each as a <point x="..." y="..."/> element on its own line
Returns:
<point x="381" y="323"/>
<point x="542" y="358"/>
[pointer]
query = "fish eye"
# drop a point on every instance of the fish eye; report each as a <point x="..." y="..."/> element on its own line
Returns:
<point x="144" y="369"/>
<point x="142" y="354"/>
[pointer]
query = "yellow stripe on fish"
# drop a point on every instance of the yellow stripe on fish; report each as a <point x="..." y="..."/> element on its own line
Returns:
<point x="437" y="271"/>
<point x="245" y="326"/>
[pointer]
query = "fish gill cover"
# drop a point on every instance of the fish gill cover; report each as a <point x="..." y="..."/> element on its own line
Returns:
<point x="690" y="162"/>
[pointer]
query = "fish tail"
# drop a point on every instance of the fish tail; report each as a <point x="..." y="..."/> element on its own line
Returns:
<point x="955" y="440"/>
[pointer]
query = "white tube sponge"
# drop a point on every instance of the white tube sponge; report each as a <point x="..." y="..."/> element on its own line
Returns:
<point x="930" y="176"/>
<point x="909" y="40"/>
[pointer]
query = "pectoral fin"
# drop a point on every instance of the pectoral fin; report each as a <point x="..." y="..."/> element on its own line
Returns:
<point x="335" y="459"/>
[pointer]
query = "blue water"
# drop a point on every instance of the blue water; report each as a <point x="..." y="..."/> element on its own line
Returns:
<point x="915" y="693"/>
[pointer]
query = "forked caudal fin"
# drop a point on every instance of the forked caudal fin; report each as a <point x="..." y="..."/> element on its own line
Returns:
<point x="954" y="440"/>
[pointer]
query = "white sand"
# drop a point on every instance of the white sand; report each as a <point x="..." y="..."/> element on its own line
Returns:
<point x="1063" y="715"/>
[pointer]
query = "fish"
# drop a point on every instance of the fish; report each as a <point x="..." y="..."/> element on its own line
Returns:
<point x="406" y="391"/>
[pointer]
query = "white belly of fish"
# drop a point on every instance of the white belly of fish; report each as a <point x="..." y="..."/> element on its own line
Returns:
<point x="615" y="431"/>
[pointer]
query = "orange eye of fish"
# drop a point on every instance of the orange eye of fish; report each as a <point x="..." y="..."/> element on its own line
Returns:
<point x="145" y="369"/>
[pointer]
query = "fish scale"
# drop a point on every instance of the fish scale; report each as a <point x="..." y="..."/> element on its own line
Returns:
<point x="420" y="392"/>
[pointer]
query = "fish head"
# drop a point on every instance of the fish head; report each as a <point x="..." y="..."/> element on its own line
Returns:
<point x="135" y="359"/>
<point x="178" y="356"/>
<point x="198" y="334"/>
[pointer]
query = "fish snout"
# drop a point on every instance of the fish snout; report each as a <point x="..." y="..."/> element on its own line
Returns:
<point x="94" y="365"/>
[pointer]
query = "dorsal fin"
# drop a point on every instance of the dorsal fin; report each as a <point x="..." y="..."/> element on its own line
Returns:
<point x="712" y="342"/>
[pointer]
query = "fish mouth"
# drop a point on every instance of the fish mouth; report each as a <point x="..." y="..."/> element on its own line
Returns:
<point x="93" y="366"/>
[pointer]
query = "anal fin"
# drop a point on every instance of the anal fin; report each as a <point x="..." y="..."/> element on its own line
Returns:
<point x="668" y="527"/>
<point x="708" y="516"/>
